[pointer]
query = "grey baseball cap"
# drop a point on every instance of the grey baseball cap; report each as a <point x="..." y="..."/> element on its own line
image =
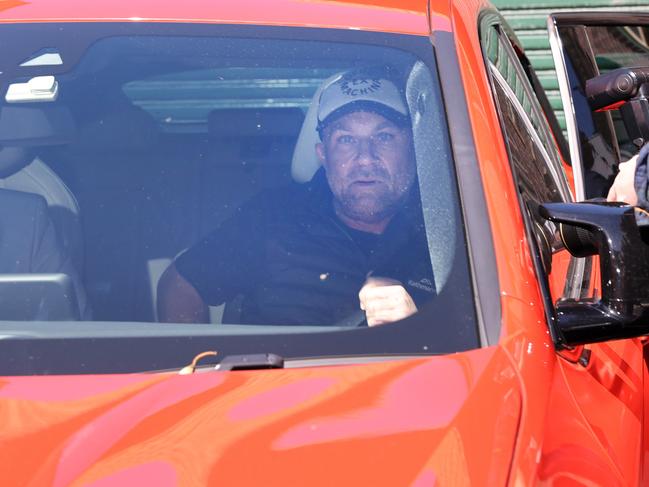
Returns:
<point x="361" y="91"/>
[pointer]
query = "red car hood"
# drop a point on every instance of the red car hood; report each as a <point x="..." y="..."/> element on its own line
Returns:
<point x="447" y="420"/>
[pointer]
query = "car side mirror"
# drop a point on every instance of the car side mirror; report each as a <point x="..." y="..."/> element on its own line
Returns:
<point x="609" y="230"/>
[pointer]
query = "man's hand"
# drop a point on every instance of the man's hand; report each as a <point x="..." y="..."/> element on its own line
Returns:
<point x="623" y="188"/>
<point x="385" y="300"/>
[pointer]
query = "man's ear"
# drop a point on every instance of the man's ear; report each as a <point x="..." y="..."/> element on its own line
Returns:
<point x="320" y="152"/>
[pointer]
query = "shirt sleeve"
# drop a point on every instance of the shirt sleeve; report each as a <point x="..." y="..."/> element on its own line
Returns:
<point x="229" y="260"/>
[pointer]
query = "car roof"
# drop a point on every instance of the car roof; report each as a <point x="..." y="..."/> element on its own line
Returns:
<point x="397" y="16"/>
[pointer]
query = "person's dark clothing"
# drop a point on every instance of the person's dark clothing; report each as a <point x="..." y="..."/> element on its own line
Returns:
<point x="295" y="263"/>
<point x="642" y="178"/>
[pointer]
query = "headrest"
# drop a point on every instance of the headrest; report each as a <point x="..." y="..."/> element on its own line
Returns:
<point x="13" y="159"/>
<point x="235" y="122"/>
<point x="28" y="125"/>
<point x="305" y="162"/>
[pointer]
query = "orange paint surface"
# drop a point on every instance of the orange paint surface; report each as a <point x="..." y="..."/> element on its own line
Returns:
<point x="517" y="413"/>
<point x="203" y="428"/>
<point x="389" y="16"/>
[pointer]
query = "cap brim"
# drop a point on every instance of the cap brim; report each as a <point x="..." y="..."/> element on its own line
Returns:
<point x="365" y="106"/>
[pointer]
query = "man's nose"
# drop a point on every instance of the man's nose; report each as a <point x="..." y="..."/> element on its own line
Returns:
<point x="366" y="151"/>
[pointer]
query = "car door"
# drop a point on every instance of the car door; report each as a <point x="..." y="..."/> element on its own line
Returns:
<point x="596" y="388"/>
<point x="586" y="45"/>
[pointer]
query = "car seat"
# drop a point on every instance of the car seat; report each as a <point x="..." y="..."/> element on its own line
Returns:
<point x="22" y="131"/>
<point x="118" y="176"/>
<point x="305" y="162"/>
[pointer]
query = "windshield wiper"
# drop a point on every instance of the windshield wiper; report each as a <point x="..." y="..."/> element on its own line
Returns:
<point x="254" y="361"/>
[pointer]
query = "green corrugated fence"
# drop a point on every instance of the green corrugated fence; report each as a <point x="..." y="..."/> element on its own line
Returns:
<point x="528" y="18"/>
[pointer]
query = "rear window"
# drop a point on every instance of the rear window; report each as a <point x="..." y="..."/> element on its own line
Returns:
<point x="264" y="190"/>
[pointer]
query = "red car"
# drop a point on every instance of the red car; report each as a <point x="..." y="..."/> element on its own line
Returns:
<point x="143" y="126"/>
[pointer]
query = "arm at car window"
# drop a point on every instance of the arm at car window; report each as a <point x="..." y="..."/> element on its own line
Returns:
<point x="178" y="300"/>
<point x="623" y="187"/>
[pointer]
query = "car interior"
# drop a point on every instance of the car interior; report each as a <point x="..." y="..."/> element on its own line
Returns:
<point x="146" y="195"/>
<point x="139" y="154"/>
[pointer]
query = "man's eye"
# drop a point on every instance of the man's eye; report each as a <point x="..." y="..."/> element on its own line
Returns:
<point x="345" y="139"/>
<point x="385" y="137"/>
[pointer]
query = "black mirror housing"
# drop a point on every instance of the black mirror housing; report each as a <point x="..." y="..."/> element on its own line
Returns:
<point x="609" y="230"/>
<point x="628" y="90"/>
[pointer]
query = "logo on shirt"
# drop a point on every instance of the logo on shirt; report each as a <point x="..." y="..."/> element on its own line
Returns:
<point x="424" y="284"/>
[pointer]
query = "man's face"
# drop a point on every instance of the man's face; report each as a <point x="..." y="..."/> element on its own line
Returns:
<point x="369" y="163"/>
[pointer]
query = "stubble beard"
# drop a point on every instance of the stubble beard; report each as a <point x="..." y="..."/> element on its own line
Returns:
<point x="370" y="207"/>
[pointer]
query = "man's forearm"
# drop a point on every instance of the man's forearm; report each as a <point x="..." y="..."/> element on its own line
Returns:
<point x="178" y="300"/>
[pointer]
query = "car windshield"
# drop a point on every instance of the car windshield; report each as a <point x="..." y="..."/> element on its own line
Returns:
<point x="174" y="188"/>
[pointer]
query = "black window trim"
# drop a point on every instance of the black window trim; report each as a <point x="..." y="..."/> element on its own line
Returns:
<point x="561" y="182"/>
<point x="491" y="19"/>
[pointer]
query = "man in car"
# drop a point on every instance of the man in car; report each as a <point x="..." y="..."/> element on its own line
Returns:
<point x="350" y="241"/>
